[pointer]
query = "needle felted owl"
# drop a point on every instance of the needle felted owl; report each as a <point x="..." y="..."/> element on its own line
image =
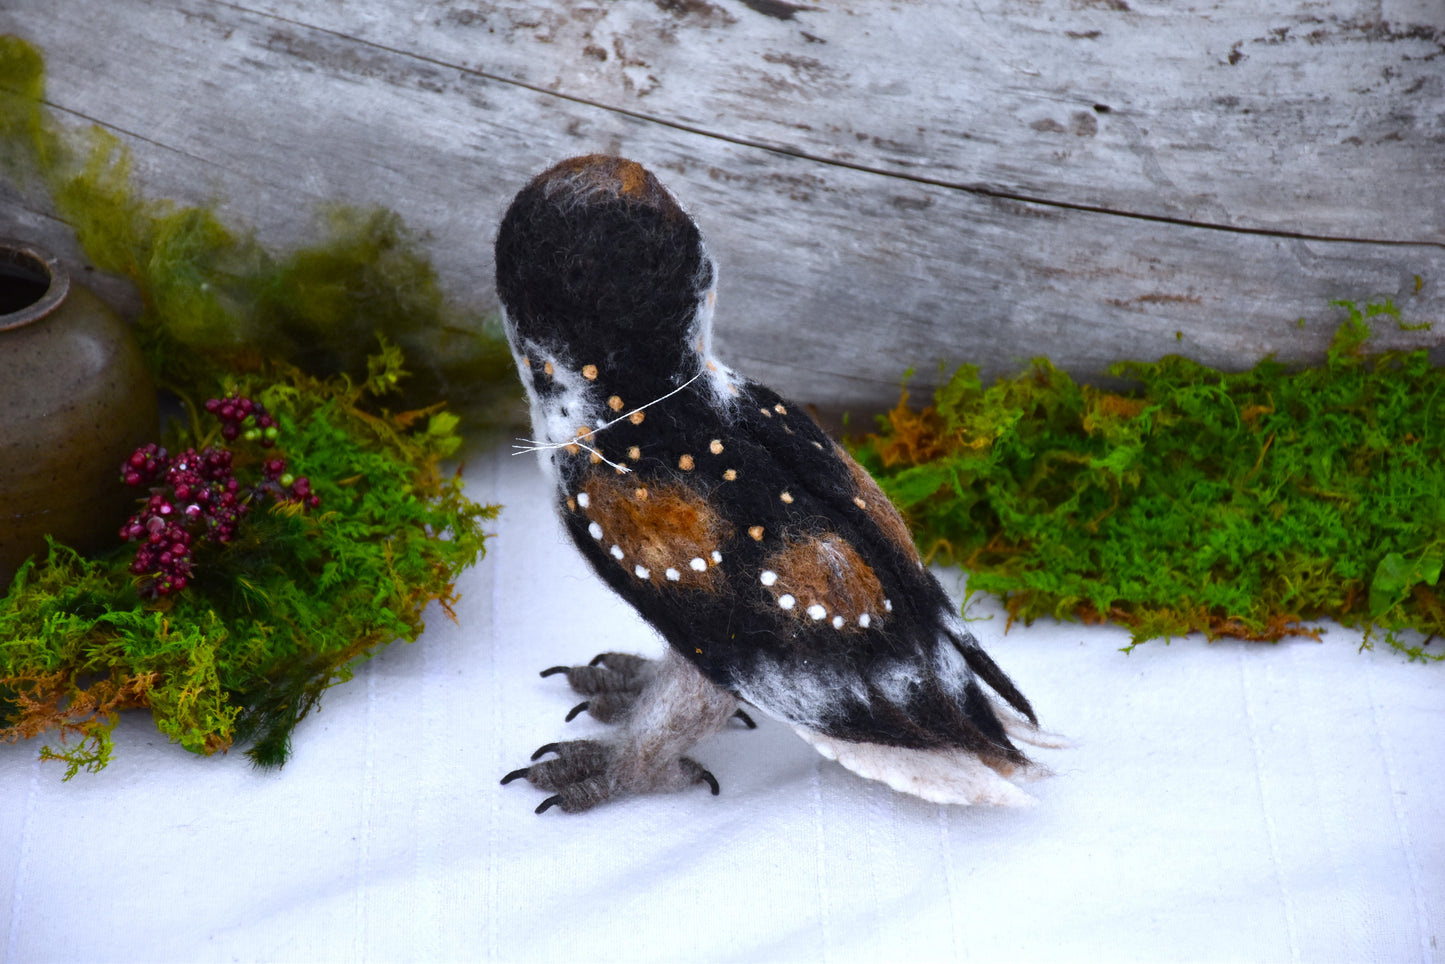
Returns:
<point x="777" y="571"/>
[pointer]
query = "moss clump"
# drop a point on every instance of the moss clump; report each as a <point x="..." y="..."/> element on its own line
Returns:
<point x="1231" y="504"/>
<point x="317" y="335"/>
<point x="212" y="292"/>
<point x="271" y="619"/>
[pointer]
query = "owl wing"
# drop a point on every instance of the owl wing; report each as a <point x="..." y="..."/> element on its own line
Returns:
<point x="769" y="558"/>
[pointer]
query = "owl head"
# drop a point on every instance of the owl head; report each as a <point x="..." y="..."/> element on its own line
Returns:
<point x="596" y="261"/>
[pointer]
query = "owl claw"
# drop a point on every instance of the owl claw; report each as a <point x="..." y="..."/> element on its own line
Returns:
<point x="587" y="773"/>
<point x="644" y="754"/>
<point x="576" y="711"/>
<point x="611" y="681"/>
<point x="747" y="720"/>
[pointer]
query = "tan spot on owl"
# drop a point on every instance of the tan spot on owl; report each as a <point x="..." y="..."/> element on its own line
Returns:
<point x="875" y="504"/>
<point x="616" y="176"/>
<point x="589" y="372"/>
<point x="686" y="463"/>
<point x="634" y="453"/>
<point x="664" y="533"/>
<point x="547" y="369"/>
<point x="636" y="417"/>
<point x="731" y="475"/>
<point x="615" y="403"/>
<point x="780" y="409"/>
<point x="787" y="497"/>
<point x="756" y="532"/>
<point x="824" y="576"/>
<point x="715" y="447"/>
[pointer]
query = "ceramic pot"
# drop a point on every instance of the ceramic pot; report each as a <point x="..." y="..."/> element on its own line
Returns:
<point x="76" y="399"/>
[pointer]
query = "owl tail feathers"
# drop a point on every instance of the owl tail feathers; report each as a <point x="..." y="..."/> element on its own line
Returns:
<point x="1027" y="731"/>
<point x="987" y="670"/>
<point x="938" y="776"/>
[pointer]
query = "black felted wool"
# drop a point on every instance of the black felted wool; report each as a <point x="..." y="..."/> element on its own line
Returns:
<point x="632" y="305"/>
<point x="722" y="512"/>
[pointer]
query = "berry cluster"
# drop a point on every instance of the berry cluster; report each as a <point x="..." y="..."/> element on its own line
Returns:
<point x="196" y="498"/>
<point x="234" y="412"/>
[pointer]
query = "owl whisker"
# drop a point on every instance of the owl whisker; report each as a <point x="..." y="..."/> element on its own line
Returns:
<point x="535" y="445"/>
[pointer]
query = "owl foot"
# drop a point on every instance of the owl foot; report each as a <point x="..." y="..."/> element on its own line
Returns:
<point x="662" y="707"/>
<point x="612" y="683"/>
<point x="587" y="772"/>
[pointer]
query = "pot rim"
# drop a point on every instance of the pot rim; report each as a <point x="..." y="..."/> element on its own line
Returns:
<point x="28" y="255"/>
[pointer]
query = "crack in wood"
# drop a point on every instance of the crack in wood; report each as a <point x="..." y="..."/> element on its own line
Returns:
<point x="980" y="190"/>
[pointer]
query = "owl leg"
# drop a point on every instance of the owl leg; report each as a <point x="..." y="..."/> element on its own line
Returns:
<point x="675" y="708"/>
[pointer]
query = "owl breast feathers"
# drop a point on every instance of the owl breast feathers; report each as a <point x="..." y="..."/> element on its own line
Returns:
<point x="775" y="568"/>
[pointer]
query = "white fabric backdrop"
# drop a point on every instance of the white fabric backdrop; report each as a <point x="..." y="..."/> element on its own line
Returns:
<point x="1224" y="801"/>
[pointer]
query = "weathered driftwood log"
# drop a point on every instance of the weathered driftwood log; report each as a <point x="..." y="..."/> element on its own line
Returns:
<point x="887" y="184"/>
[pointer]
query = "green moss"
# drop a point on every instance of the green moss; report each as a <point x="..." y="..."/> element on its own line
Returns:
<point x="318" y="336"/>
<point x="1232" y="504"/>
<point x="271" y="620"/>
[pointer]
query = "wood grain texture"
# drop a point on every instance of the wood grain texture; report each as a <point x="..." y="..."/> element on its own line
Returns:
<point x="885" y="184"/>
